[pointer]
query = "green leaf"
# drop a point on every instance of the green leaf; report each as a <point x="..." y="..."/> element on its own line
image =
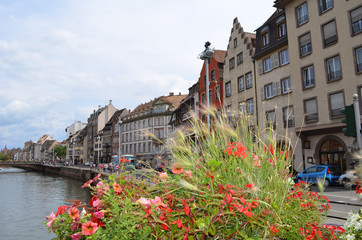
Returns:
<point x="146" y="231"/>
<point x="201" y="223"/>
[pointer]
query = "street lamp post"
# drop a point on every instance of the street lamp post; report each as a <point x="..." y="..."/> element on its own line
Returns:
<point x="98" y="139"/>
<point x="206" y="55"/>
<point x="73" y="143"/>
<point x="119" y="137"/>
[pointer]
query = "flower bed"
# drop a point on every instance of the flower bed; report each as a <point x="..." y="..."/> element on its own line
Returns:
<point x="227" y="183"/>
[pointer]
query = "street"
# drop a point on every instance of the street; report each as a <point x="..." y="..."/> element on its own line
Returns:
<point x="342" y="202"/>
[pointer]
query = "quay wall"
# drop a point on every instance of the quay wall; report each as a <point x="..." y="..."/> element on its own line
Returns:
<point x="83" y="174"/>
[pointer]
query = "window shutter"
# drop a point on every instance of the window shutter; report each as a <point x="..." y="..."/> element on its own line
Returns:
<point x="329" y="30"/>
<point x="260" y="67"/>
<point x="262" y="97"/>
<point x="275" y="60"/>
<point x="276" y="88"/>
<point x="356" y="14"/>
<point x="304" y="40"/>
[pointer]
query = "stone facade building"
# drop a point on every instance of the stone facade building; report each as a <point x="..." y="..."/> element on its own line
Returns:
<point x="147" y="127"/>
<point x="239" y="79"/>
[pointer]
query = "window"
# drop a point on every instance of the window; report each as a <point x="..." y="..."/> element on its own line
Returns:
<point x="302" y="14"/>
<point x="282" y="31"/>
<point x="250" y="105"/>
<point x="284" y="57"/>
<point x="356" y="20"/>
<point x="235" y="42"/>
<point x="265" y="38"/>
<point x="241" y="84"/>
<point x="231" y="63"/>
<point x="242" y="108"/>
<point x="325" y="5"/>
<point x="240" y="58"/>
<point x="305" y="44"/>
<point x="358" y="53"/>
<point x="288" y="116"/>
<point x="311" y="110"/>
<point x="336" y="101"/>
<point x="210" y="96"/>
<point x="213" y="75"/>
<point x="267" y="64"/>
<point x="270" y="119"/>
<point x="228" y="113"/>
<point x="329" y="33"/>
<point x="217" y="93"/>
<point x="334" y="68"/>
<point x="308" y="77"/>
<point x="228" y="89"/>
<point x="286" y="85"/>
<point x="203" y="99"/>
<point x="269" y="91"/>
<point x="249" y="80"/>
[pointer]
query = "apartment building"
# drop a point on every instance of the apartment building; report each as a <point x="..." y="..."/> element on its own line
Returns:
<point x="274" y="82"/>
<point x="239" y="81"/>
<point x="96" y="122"/>
<point x="188" y="108"/>
<point x="147" y="120"/>
<point x="216" y="66"/>
<point x="325" y="50"/>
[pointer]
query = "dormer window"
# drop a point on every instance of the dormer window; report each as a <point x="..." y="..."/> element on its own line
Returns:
<point x="265" y="38"/>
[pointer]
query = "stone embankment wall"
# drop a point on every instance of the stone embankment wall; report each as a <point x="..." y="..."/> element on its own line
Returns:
<point x="83" y="174"/>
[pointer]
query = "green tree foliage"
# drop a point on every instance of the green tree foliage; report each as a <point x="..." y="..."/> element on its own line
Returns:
<point x="4" y="157"/>
<point x="60" y="151"/>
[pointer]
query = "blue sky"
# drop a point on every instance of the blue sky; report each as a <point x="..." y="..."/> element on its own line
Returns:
<point x="60" y="59"/>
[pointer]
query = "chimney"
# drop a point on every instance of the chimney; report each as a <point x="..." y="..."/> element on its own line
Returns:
<point x="179" y="93"/>
<point x="171" y="94"/>
<point x="110" y="102"/>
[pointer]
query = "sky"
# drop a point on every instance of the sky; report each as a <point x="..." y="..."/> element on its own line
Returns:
<point x="61" y="59"/>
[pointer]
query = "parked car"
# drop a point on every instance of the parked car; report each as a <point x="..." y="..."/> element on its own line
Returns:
<point x="348" y="179"/>
<point x="317" y="173"/>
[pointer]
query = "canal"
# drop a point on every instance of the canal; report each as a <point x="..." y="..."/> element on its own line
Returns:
<point x="27" y="197"/>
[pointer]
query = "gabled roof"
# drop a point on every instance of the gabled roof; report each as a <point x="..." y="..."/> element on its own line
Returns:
<point x="219" y="55"/>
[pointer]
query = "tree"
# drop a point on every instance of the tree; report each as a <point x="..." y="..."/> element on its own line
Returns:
<point x="60" y="151"/>
<point x="4" y="157"/>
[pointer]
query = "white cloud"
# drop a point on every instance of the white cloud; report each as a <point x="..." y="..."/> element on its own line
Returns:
<point x="61" y="59"/>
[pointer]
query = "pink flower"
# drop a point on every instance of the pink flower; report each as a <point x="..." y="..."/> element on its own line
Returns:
<point x="97" y="203"/>
<point x="99" y="214"/>
<point x="51" y="219"/>
<point x="177" y="168"/>
<point x="74" y="212"/>
<point x="117" y="188"/>
<point x="188" y="173"/>
<point x="89" y="228"/>
<point x="76" y="236"/>
<point x="144" y="201"/>
<point x="256" y="161"/>
<point x="163" y="176"/>
<point x="157" y="202"/>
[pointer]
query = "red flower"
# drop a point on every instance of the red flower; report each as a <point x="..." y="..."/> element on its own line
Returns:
<point x="124" y="160"/>
<point x="186" y="209"/>
<point x="230" y="148"/>
<point x="273" y="229"/>
<point x="178" y="222"/>
<point x="250" y="185"/>
<point x="240" y="151"/>
<point x="61" y="210"/>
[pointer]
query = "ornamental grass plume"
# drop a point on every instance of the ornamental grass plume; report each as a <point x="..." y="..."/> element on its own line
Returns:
<point x="229" y="181"/>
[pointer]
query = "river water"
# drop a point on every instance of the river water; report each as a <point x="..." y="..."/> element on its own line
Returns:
<point x="27" y="197"/>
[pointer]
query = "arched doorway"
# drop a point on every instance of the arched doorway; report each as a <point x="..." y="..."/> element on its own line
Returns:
<point x="332" y="153"/>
